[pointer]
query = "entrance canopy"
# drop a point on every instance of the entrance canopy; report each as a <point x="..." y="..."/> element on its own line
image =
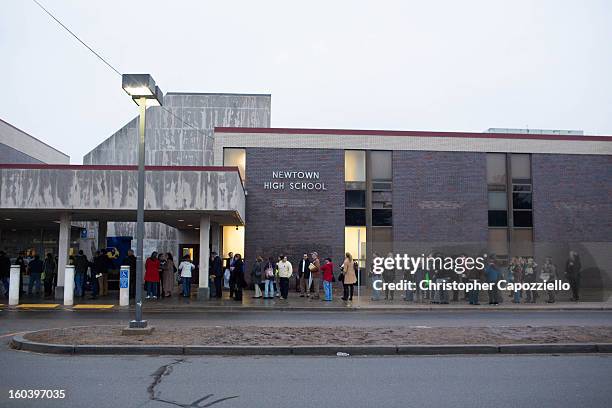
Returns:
<point x="37" y="193"/>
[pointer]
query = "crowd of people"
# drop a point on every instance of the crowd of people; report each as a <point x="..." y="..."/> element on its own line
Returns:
<point x="271" y="278"/>
<point x="516" y="270"/>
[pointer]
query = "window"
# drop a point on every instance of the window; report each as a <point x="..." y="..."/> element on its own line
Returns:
<point x="381" y="163"/>
<point x="496" y="168"/>
<point x="355" y="199"/>
<point x="498" y="241"/>
<point x="354" y="166"/>
<point x="522" y="242"/>
<point x="354" y="217"/>
<point x="382" y="218"/>
<point x="522" y="219"/>
<point x="521" y="166"/>
<point x="235" y="158"/>
<point x="355" y="241"/>
<point x="233" y="240"/>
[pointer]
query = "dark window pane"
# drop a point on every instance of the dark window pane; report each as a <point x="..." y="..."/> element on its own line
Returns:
<point x="521" y="201"/>
<point x="522" y="218"/>
<point x="498" y="218"/>
<point x="522" y="187"/>
<point x="382" y="218"/>
<point x="355" y="198"/>
<point x="354" y="217"/>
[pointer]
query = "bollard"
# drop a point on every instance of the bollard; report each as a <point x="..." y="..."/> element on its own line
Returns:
<point x="69" y="285"/>
<point x="124" y="285"/>
<point x="14" y="285"/>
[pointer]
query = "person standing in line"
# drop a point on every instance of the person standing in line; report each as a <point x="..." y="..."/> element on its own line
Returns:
<point x="50" y="272"/>
<point x="303" y="276"/>
<point x="350" y="278"/>
<point x="168" y="270"/>
<point x="239" y="281"/>
<point x="315" y="273"/>
<point x="549" y="274"/>
<point x="515" y="270"/>
<point x="256" y="276"/>
<point x="98" y="265"/>
<point x="572" y="272"/>
<point x="106" y="265"/>
<point x="186" y="269"/>
<point x="530" y="276"/>
<point x="268" y="273"/>
<point x="23" y="265"/>
<point x="328" y="277"/>
<point x="474" y="276"/>
<point x="130" y="260"/>
<point x="493" y="275"/>
<point x="81" y="264"/>
<point x="388" y="277"/>
<point x="216" y="270"/>
<point x="277" y="291"/>
<point x="285" y="270"/>
<point x="35" y="269"/>
<point x="377" y="280"/>
<point x="152" y="275"/>
<point x="229" y="266"/>
<point x="5" y="271"/>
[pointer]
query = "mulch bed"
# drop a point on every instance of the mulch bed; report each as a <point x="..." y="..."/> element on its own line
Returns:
<point x="294" y="336"/>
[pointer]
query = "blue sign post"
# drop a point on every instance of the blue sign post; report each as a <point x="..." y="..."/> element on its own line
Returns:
<point x="124" y="285"/>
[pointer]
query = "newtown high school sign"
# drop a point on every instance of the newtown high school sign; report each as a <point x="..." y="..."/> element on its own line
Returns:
<point x="296" y="180"/>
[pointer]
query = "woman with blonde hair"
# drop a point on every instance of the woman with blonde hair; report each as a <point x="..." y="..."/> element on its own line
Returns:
<point x="350" y="277"/>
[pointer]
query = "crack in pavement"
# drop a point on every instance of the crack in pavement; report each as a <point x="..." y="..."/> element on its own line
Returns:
<point x="165" y="371"/>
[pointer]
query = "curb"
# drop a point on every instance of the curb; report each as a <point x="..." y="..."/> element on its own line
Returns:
<point x="20" y="343"/>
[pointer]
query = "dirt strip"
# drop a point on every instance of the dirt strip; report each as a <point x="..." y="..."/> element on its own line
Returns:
<point x="295" y="336"/>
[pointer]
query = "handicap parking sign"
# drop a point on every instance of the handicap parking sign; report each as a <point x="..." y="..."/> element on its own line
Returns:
<point x="124" y="278"/>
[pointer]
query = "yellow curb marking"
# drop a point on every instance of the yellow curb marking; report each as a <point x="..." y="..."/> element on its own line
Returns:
<point x="93" y="306"/>
<point x="37" y="306"/>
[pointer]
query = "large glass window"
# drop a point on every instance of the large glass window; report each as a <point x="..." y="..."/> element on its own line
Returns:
<point x="233" y="240"/>
<point x="355" y="242"/>
<point x="381" y="163"/>
<point x="496" y="168"/>
<point x="354" y="166"/>
<point x="235" y="157"/>
<point x="521" y="166"/>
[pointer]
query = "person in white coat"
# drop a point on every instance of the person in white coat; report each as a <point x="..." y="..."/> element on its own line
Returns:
<point x="285" y="271"/>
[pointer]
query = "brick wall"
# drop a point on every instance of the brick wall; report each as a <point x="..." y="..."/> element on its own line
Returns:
<point x="572" y="210"/>
<point x="439" y="200"/>
<point x="290" y="221"/>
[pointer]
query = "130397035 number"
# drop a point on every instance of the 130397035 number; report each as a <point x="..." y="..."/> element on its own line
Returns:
<point x="37" y="394"/>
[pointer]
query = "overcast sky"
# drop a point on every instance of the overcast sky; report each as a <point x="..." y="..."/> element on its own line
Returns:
<point x="407" y="65"/>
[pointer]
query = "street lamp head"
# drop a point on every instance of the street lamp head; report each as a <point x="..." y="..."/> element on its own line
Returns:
<point x="140" y="86"/>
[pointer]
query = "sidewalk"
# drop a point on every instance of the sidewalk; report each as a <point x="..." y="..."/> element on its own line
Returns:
<point x="296" y="303"/>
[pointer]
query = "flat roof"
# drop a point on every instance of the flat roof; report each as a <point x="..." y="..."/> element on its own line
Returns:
<point x="409" y="133"/>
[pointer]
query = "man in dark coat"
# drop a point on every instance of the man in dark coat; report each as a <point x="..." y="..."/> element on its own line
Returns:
<point x="303" y="275"/>
<point x="81" y="264"/>
<point x="572" y="271"/>
<point x="216" y="269"/>
<point x="5" y="271"/>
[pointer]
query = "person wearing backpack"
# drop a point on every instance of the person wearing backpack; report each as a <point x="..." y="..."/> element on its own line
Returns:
<point x="256" y="276"/>
<point x="186" y="270"/>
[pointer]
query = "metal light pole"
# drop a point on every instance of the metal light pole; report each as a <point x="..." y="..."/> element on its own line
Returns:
<point x="142" y="89"/>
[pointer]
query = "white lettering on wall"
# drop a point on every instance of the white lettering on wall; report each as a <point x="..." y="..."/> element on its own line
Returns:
<point x="296" y="185"/>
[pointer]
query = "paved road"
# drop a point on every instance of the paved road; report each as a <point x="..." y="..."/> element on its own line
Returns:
<point x="18" y="321"/>
<point x="144" y="381"/>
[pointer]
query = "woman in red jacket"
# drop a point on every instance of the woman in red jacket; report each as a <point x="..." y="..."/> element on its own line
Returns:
<point x="152" y="275"/>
